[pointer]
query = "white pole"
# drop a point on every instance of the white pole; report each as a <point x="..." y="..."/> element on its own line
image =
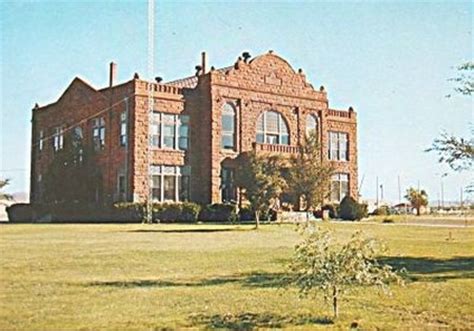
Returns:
<point x="151" y="53"/>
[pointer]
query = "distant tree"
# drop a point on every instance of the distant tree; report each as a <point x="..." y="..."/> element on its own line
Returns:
<point x="320" y="264"/>
<point x="260" y="178"/>
<point x="4" y="196"/>
<point x="309" y="175"/>
<point x="458" y="152"/>
<point x="417" y="199"/>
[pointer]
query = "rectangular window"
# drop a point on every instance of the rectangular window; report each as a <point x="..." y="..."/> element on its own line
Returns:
<point x="123" y="129"/>
<point x="183" y="134"/>
<point x="121" y="188"/>
<point x="338" y="146"/>
<point x="339" y="187"/>
<point x="58" y="138"/>
<point x="98" y="133"/>
<point x="228" y="190"/>
<point x="41" y="140"/>
<point x="169" y="131"/>
<point x="170" y="183"/>
<point x="156" y="187"/>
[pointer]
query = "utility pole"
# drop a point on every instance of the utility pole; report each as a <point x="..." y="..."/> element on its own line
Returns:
<point x="442" y="193"/>
<point x="462" y="200"/>
<point x="399" y="191"/>
<point x="381" y="193"/>
<point x="377" y="191"/>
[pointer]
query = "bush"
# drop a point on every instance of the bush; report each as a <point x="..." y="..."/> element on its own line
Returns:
<point x="381" y="211"/>
<point x="132" y="211"/>
<point x="332" y="210"/>
<point x="176" y="212"/>
<point x="246" y="214"/>
<point x="351" y="210"/>
<point x="219" y="212"/>
<point x="20" y="213"/>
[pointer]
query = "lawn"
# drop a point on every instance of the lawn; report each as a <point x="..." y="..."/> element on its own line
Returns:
<point x="148" y="277"/>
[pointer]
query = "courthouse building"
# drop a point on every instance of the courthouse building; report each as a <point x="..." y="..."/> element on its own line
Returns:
<point x="199" y="126"/>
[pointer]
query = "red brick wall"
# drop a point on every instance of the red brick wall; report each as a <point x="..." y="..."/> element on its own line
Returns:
<point x="267" y="82"/>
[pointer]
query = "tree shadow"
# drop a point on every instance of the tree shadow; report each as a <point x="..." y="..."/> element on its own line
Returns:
<point x="250" y="321"/>
<point x="255" y="279"/>
<point x="431" y="269"/>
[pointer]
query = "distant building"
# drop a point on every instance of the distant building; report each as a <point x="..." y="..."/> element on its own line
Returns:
<point x="200" y="125"/>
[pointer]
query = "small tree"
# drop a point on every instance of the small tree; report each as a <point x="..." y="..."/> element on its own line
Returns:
<point x="321" y="265"/>
<point x="417" y="199"/>
<point x="5" y="196"/>
<point x="309" y="175"/>
<point x="262" y="181"/>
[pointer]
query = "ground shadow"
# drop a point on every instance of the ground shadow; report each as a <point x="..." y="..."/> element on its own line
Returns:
<point x="187" y="230"/>
<point x="430" y="269"/>
<point x="254" y="279"/>
<point x="249" y="321"/>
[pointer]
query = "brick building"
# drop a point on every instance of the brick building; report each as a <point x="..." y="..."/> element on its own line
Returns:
<point x="199" y="126"/>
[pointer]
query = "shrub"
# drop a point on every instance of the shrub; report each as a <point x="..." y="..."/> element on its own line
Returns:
<point x="20" y="212"/>
<point x="350" y="209"/>
<point x="331" y="208"/>
<point x="382" y="211"/>
<point x="219" y="212"/>
<point x="132" y="211"/>
<point x="246" y="214"/>
<point x="190" y="211"/>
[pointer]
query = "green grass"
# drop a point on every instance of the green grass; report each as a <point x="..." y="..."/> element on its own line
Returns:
<point x="202" y="276"/>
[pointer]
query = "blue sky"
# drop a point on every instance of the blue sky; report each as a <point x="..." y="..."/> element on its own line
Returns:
<point x="390" y="60"/>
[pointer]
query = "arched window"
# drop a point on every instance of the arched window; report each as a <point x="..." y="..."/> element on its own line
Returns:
<point x="272" y="129"/>
<point x="311" y="125"/>
<point x="228" y="127"/>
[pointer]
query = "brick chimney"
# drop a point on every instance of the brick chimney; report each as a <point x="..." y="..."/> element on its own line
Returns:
<point x="203" y="63"/>
<point x="112" y="73"/>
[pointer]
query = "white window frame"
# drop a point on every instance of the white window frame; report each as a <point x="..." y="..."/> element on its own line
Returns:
<point x="340" y="178"/>
<point x="178" y="121"/>
<point x="229" y="110"/>
<point x="58" y="138"/>
<point x="166" y="170"/>
<point x="98" y="133"/>
<point x="123" y="129"/>
<point x="280" y="133"/>
<point x="338" y="146"/>
<point x="41" y="140"/>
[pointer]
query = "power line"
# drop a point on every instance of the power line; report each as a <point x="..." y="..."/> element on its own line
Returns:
<point x="72" y="126"/>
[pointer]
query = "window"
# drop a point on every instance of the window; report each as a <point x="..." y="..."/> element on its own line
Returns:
<point x="183" y="137"/>
<point x="169" y="131"/>
<point x="311" y="125"/>
<point x="272" y="129"/>
<point x="123" y="129"/>
<point x="170" y="183"/>
<point x="339" y="187"/>
<point x="228" y="127"/>
<point x="77" y="144"/>
<point x="338" y="146"/>
<point x="228" y="192"/>
<point x="98" y="133"/>
<point x="58" y="138"/>
<point x="41" y="140"/>
<point x="121" y="188"/>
